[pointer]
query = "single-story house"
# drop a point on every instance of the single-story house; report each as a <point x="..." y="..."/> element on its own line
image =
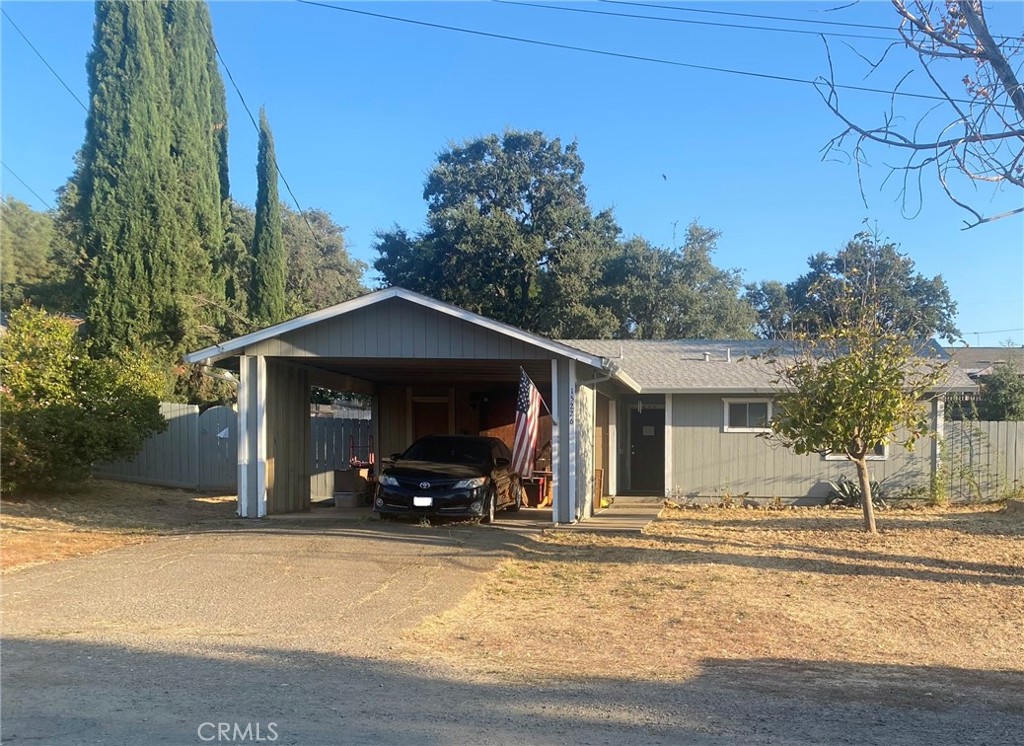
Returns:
<point x="978" y="362"/>
<point x="666" y="418"/>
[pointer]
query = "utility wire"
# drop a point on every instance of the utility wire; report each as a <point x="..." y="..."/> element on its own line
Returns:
<point x="761" y="17"/>
<point x="48" y="65"/>
<point x="806" y="32"/>
<point x="252" y="119"/>
<point x="48" y="206"/>
<point x="636" y="57"/>
<point x="737" y="14"/>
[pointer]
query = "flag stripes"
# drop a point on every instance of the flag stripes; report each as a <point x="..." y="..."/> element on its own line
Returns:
<point x="524" y="447"/>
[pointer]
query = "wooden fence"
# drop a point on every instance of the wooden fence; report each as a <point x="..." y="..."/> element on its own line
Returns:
<point x="983" y="460"/>
<point x="199" y="451"/>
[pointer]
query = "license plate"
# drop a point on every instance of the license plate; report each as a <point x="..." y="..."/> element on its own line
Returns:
<point x="422" y="502"/>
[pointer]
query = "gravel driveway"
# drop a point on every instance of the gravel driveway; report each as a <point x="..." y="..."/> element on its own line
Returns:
<point x="282" y="631"/>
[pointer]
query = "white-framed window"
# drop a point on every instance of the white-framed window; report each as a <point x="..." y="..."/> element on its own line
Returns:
<point x="881" y="453"/>
<point x="747" y="415"/>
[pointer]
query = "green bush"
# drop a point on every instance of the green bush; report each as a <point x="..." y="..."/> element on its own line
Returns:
<point x="64" y="411"/>
<point x="848" y="492"/>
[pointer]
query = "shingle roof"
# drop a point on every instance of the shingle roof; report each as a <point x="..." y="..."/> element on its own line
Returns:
<point x="709" y="366"/>
<point x="981" y="360"/>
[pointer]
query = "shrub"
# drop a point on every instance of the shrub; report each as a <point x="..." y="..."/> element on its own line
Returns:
<point x="847" y="492"/>
<point x="62" y="410"/>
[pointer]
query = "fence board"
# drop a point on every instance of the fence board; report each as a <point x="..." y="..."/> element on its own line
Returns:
<point x="983" y="460"/>
<point x="163" y="459"/>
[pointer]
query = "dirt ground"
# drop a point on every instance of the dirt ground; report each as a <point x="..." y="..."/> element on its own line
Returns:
<point x="718" y="627"/>
<point x="100" y="515"/>
<point x="935" y="602"/>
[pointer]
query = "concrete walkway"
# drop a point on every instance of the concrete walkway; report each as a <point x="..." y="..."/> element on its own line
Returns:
<point x="626" y="514"/>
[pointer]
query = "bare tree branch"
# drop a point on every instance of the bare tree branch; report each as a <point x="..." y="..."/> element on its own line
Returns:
<point x="982" y="138"/>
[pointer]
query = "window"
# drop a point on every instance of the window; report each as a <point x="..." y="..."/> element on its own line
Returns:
<point x="747" y="415"/>
<point x="881" y="453"/>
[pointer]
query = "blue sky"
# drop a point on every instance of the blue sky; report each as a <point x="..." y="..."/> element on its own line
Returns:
<point x="361" y="106"/>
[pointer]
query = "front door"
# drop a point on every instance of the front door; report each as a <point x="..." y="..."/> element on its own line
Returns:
<point x="646" y="449"/>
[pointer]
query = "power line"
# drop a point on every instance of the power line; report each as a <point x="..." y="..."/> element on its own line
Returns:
<point x="635" y="57"/>
<point x="48" y="206"/>
<point x="48" y="65"/>
<point x="771" y="18"/>
<point x="747" y="15"/>
<point x="689" y="21"/>
<point x="252" y="119"/>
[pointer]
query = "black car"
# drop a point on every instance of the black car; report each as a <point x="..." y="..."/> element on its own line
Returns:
<point x="461" y="476"/>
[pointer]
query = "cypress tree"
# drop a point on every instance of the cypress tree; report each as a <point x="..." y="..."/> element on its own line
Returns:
<point x="150" y="192"/>
<point x="266" y="294"/>
<point x="128" y="183"/>
<point x="195" y="147"/>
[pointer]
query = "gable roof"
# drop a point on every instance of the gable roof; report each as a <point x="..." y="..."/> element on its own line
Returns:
<point x="232" y="347"/>
<point x="701" y="366"/>
<point x="981" y="361"/>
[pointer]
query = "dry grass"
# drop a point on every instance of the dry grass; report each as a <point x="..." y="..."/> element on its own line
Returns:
<point x="941" y="588"/>
<point x="101" y="515"/>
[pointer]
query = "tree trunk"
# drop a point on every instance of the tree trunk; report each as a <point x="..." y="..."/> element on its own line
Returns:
<point x="865" y="495"/>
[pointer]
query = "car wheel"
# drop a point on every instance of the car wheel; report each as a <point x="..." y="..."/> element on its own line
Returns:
<point x="490" y="507"/>
<point x="516" y="488"/>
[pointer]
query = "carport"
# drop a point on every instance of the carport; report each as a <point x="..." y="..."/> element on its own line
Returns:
<point x="428" y="366"/>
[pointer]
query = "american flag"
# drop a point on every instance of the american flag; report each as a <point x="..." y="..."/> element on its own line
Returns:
<point x="527" y="421"/>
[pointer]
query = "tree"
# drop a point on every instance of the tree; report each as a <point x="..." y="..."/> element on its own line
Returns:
<point x="855" y="386"/>
<point x="145" y="194"/>
<point x="27" y="239"/>
<point x="199" y="132"/>
<point x="976" y="132"/>
<point x="509" y="235"/>
<point x="906" y="299"/>
<point x="675" y="294"/>
<point x="267" y="289"/>
<point x="1002" y="393"/>
<point x="63" y="410"/>
<point x="320" y="271"/>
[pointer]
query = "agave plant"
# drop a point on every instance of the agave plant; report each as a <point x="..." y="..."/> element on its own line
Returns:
<point x="845" y="491"/>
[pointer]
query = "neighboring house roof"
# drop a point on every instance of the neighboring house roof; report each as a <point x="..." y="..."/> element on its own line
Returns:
<point x="981" y="361"/>
<point x="699" y="366"/>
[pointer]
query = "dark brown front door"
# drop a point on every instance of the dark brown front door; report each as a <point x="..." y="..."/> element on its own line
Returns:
<point x="647" y="450"/>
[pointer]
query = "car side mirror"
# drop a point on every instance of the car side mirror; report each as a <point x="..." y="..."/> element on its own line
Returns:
<point x="395" y="456"/>
<point x="501" y="463"/>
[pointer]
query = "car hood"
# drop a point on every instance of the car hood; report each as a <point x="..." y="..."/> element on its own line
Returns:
<point x="433" y="470"/>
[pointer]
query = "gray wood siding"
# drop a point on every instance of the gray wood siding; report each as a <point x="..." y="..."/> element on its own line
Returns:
<point x="397" y="329"/>
<point x="393" y="420"/>
<point x="707" y="461"/>
<point x="288" y="480"/>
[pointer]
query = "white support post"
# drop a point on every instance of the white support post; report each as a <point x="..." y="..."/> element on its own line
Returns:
<point x="557" y="488"/>
<point x="669" y="485"/>
<point x="261" y="436"/>
<point x="574" y="507"/>
<point x="613" y="447"/>
<point x="243" y="436"/>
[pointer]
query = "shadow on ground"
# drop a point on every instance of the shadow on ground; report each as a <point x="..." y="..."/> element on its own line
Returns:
<point x="67" y="692"/>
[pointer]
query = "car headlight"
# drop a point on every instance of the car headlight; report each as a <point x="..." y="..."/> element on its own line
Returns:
<point x="388" y="481"/>
<point x="470" y="484"/>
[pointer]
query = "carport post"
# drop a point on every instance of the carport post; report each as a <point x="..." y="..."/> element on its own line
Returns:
<point x="563" y="441"/>
<point x="252" y="436"/>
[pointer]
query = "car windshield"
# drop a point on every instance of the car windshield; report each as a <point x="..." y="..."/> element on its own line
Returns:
<point x="450" y="451"/>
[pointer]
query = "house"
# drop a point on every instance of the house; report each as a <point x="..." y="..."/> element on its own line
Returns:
<point x="978" y="362"/>
<point x="626" y="417"/>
